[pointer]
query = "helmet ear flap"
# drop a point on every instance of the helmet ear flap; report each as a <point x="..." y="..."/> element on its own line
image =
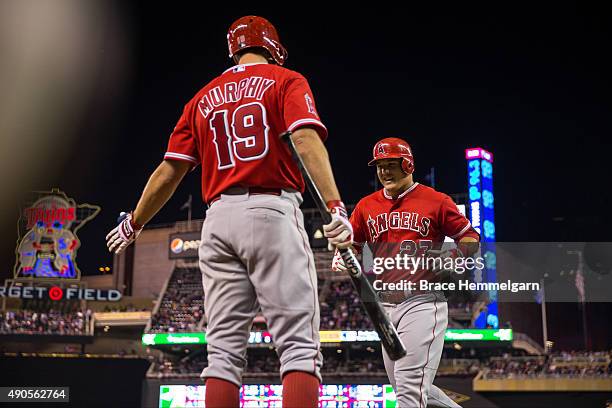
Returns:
<point x="407" y="166"/>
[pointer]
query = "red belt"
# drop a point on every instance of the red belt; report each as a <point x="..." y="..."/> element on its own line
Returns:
<point x="247" y="190"/>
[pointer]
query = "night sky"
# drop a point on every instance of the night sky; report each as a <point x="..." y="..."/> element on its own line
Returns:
<point x="531" y="86"/>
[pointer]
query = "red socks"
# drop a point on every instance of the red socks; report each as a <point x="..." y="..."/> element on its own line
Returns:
<point x="221" y="393"/>
<point x="300" y="390"/>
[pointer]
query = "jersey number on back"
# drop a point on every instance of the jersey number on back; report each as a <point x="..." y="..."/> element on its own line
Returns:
<point x="245" y="139"/>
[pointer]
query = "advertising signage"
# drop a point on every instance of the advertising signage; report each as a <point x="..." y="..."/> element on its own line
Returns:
<point x="481" y="210"/>
<point x="330" y="336"/>
<point x="271" y="395"/>
<point x="183" y="245"/>
<point x="47" y="243"/>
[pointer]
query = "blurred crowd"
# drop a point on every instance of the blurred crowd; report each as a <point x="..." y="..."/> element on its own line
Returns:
<point x="182" y="305"/>
<point x="182" y="308"/>
<point x="371" y="365"/>
<point x="556" y="365"/>
<point x="341" y="308"/>
<point x="580" y="364"/>
<point x="499" y="367"/>
<point x="124" y="308"/>
<point x="504" y="367"/>
<point x="263" y="364"/>
<point x="47" y="322"/>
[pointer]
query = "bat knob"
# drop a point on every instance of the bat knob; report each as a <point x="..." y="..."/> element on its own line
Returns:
<point x="122" y="216"/>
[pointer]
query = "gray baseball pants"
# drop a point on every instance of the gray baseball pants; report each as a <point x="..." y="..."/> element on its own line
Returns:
<point x="420" y="321"/>
<point x="255" y="253"/>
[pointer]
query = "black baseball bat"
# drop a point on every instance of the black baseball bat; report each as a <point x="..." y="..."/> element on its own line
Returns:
<point x="386" y="331"/>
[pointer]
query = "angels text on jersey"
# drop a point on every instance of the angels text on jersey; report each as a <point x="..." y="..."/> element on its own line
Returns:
<point x="398" y="220"/>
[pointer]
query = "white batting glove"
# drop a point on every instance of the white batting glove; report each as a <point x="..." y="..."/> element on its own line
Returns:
<point x="123" y="234"/>
<point x="339" y="232"/>
<point x="338" y="264"/>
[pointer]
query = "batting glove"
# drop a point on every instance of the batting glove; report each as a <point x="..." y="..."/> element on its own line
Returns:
<point x="339" y="232"/>
<point x="439" y="267"/>
<point x="123" y="234"/>
<point x="338" y="264"/>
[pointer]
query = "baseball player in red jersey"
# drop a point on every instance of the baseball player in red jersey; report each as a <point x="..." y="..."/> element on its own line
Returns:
<point x="254" y="252"/>
<point x="408" y="217"/>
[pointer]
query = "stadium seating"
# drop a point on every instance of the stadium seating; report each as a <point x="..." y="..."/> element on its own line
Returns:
<point x="341" y="308"/>
<point x="181" y="308"/>
<point x="51" y="322"/>
<point x="557" y="365"/>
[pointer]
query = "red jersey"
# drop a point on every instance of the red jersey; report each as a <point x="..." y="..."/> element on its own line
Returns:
<point x="418" y="219"/>
<point x="232" y="127"/>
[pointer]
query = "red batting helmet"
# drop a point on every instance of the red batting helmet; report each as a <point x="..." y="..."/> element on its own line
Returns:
<point x="253" y="31"/>
<point x="393" y="148"/>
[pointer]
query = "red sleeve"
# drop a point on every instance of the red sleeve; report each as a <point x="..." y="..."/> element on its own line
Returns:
<point x="299" y="107"/>
<point x="454" y="224"/>
<point x="359" y="226"/>
<point x="182" y="144"/>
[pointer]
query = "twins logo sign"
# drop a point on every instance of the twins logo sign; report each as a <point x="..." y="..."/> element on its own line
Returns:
<point x="184" y="245"/>
<point x="47" y="242"/>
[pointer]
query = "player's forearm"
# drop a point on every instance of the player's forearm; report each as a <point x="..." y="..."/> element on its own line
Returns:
<point x="159" y="189"/>
<point x="316" y="160"/>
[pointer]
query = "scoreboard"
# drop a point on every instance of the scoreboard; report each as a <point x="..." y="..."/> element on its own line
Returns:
<point x="481" y="210"/>
<point x="262" y="395"/>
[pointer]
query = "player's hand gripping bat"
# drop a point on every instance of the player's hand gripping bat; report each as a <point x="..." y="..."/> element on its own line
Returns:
<point x="386" y="331"/>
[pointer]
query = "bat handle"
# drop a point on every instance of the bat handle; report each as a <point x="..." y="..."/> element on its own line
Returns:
<point x="321" y="204"/>
<point x="397" y="354"/>
<point x="350" y="260"/>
